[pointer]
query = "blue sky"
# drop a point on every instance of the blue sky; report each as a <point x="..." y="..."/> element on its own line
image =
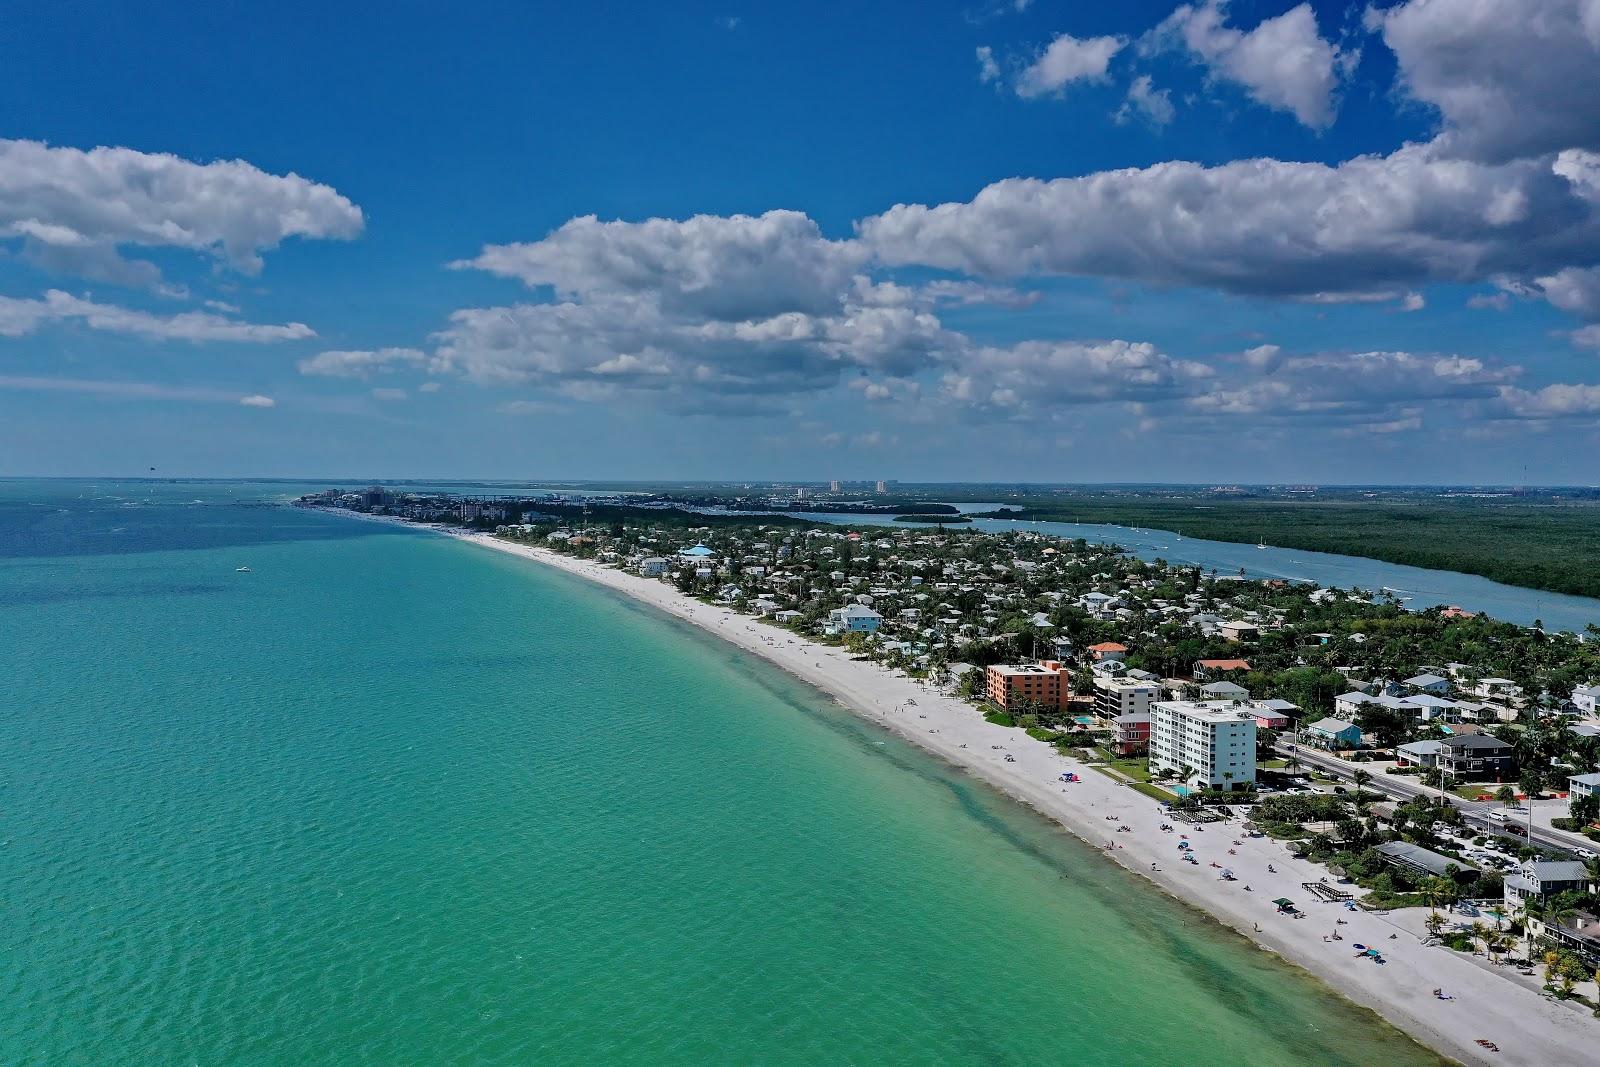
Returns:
<point x="1043" y="241"/>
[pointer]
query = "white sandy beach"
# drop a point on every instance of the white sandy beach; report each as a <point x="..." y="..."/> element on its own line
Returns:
<point x="1528" y="1028"/>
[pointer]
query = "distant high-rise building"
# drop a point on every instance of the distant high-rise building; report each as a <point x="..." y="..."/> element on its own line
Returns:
<point x="833" y="486"/>
<point x="883" y="487"/>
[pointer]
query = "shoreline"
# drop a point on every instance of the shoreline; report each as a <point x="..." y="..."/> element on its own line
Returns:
<point x="1528" y="1028"/>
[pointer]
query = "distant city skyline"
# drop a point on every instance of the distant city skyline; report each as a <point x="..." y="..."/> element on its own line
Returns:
<point x="985" y="241"/>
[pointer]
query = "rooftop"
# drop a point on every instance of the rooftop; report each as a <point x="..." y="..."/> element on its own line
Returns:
<point x="1475" y="743"/>
<point x="1331" y="725"/>
<point x="1215" y="711"/>
<point x="1421" y="858"/>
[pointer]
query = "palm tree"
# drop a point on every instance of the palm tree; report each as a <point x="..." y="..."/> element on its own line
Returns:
<point x="1497" y="941"/>
<point x="1438" y="891"/>
<point x="1482" y="933"/>
<point x="1532" y="908"/>
<point x="1361" y="777"/>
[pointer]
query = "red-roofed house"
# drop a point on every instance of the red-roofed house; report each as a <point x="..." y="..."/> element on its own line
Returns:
<point x="1206" y="670"/>
<point x="1108" y="650"/>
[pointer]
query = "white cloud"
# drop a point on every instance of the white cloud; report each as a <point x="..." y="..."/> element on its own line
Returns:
<point x="1412" y="302"/>
<point x="988" y="68"/>
<point x="1369" y="228"/>
<point x="19" y="317"/>
<point x="1553" y="402"/>
<point x="1143" y="101"/>
<point x="1369" y="389"/>
<point x="361" y="363"/>
<point x="1498" y="301"/>
<point x="1573" y="289"/>
<point x="1587" y="337"/>
<point x="429" y="387"/>
<point x="704" y="306"/>
<point x="1033" y="377"/>
<point x="1283" y="63"/>
<point x="389" y="394"/>
<point x="256" y="400"/>
<point x="731" y="268"/>
<point x="74" y="209"/>
<point x="1510" y="78"/>
<point x="1068" y="59"/>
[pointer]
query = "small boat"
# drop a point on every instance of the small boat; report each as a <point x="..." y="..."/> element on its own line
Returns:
<point x="241" y="570"/>
<point x="1261" y="544"/>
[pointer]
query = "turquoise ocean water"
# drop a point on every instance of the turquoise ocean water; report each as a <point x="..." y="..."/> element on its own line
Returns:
<point x="391" y="799"/>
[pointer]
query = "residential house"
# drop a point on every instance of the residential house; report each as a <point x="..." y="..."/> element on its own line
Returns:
<point x="1542" y="879"/>
<point x="1424" y="754"/>
<point x="1130" y="733"/>
<point x="1477" y="756"/>
<point x="1331" y="734"/>
<point x="1430" y="708"/>
<point x="1223" y="691"/>
<point x="1349" y="705"/>
<point x="1239" y="631"/>
<point x="853" y="618"/>
<point x="1109" y="650"/>
<point x="1274" y="714"/>
<point x="652" y="566"/>
<point x="1583" y="785"/>
<point x="1428" y="683"/>
<point x="1206" y="670"/>
<point x="1580" y="935"/>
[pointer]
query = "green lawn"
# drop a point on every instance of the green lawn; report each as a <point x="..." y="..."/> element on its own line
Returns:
<point x="1154" y="792"/>
<point x="1135" y="767"/>
<point x="1272" y="764"/>
<point x="1474" y="790"/>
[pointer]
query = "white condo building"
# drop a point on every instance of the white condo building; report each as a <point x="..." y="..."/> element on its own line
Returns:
<point x="1116" y="696"/>
<point x="1215" y="740"/>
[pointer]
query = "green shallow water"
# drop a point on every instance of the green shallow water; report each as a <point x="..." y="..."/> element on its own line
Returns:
<point x="393" y="799"/>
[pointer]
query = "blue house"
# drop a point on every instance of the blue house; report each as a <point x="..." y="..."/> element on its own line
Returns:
<point x="854" y="618"/>
<point x="1332" y="733"/>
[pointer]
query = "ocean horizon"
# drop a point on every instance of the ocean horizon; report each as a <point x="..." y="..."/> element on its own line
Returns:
<point x="387" y="798"/>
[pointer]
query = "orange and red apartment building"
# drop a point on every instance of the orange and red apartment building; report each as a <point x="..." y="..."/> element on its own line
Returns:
<point x="1010" y="686"/>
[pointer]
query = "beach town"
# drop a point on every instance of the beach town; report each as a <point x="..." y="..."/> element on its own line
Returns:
<point x="1312" y="767"/>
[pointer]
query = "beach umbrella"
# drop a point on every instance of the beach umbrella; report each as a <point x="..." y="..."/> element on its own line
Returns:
<point x="1284" y="902"/>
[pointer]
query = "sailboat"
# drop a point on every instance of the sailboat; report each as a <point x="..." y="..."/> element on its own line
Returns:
<point x="241" y="570"/>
